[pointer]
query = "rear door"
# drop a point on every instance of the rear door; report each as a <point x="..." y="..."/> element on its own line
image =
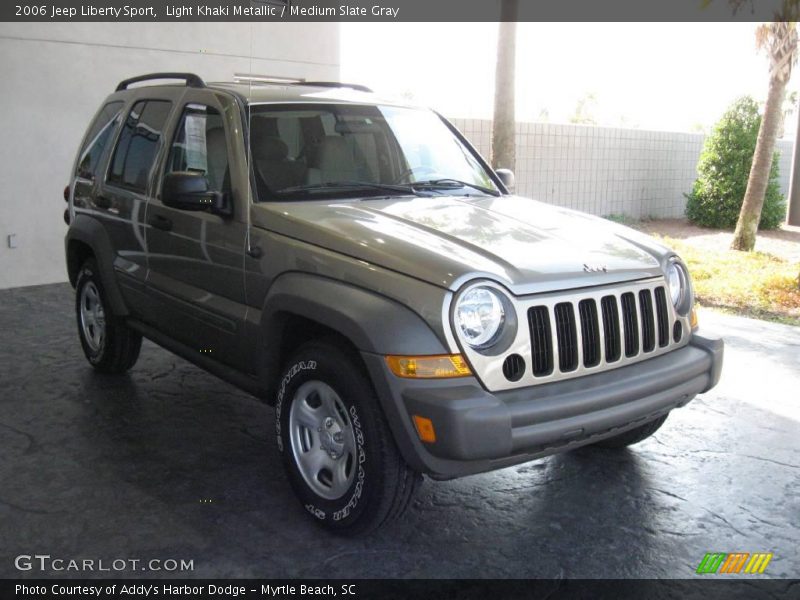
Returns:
<point x="96" y="145"/>
<point x="196" y="258"/>
<point x="119" y="200"/>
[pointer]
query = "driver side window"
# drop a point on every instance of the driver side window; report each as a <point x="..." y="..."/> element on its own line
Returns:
<point x="200" y="146"/>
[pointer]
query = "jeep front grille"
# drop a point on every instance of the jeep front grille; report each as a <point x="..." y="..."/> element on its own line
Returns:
<point x="640" y="323"/>
<point x="562" y="335"/>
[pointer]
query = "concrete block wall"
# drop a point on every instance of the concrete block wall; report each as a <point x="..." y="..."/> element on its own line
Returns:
<point x="54" y="77"/>
<point x="604" y="170"/>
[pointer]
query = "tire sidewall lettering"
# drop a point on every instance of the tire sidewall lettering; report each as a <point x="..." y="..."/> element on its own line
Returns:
<point x="298" y="367"/>
<point x="316" y="512"/>
<point x="361" y="475"/>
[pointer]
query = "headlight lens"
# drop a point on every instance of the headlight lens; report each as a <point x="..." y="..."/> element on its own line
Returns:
<point x="480" y="316"/>
<point x="676" y="279"/>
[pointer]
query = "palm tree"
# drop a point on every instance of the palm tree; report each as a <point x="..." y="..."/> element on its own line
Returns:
<point x="779" y="39"/>
<point x="504" y="124"/>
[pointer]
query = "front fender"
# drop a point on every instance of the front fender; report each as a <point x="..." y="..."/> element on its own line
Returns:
<point x="372" y="322"/>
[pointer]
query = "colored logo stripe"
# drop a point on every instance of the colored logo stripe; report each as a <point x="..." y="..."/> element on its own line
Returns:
<point x="711" y="562"/>
<point x="734" y="562"/>
<point x="721" y="562"/>
<point x="758" y="562"/>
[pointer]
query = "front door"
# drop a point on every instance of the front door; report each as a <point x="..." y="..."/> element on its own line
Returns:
<point x="196" y="258"/>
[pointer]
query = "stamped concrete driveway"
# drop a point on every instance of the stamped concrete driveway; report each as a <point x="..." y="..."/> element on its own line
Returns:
<point x="169" y="462"/>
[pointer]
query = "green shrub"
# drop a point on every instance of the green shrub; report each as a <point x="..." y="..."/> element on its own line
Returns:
<point x="723" y="169"/>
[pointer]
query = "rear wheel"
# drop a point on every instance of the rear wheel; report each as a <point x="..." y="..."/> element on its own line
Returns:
<point x="338" y="451"/>
<point x="109" y="345"/>
<point x="633" y="436"/>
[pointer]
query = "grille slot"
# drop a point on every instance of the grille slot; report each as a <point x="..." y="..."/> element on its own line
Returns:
<point x="662" y="317"/>
<point x="648" y="321"/>
<point x="566" y="336"/>
<point x="541" y="341"/>
<point x="590" y="332"/>
<point x="608" y="305"/>
<point x="631" y="322"/>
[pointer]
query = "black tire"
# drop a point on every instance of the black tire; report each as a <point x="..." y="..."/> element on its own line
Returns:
<point x="632" y="436"/>
<point x="382" y="484"/>
<point x="118" y="349"/>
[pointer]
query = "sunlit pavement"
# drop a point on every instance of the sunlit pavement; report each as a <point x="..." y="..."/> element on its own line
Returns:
<point x="169" y="462"/>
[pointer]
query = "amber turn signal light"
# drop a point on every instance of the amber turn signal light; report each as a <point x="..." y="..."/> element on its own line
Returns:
<point x="429" y="367"/>
<point x="693" y="318"/>
<point x="425" y="429"/>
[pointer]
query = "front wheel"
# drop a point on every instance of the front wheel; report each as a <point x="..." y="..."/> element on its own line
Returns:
<point x="339" y="454"/>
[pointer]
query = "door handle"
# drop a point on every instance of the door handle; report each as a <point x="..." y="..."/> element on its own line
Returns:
<point x="160" y="222"/>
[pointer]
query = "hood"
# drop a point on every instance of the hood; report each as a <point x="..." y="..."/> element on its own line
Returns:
<point x="526" y="245"/>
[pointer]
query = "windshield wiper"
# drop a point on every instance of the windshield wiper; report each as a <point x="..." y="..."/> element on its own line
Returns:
<point x="453" y="183"/>
<point x="402" y="189"/>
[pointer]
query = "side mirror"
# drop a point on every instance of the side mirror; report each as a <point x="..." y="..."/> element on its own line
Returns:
<point x="507" y="177"/>
<point x="188" y="190"/>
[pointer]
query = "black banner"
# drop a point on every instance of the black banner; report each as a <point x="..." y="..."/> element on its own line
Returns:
<point x="392" y="10"/>
<point x="439" y="589"/>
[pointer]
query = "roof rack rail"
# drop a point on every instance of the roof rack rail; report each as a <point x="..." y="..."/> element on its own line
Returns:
<point x="191" y="79"/>
<point x="336" y="84"/>
<point x="256" y="78"/>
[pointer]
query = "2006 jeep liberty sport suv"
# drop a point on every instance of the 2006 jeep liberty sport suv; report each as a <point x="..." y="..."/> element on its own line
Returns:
<point x="358" y="265"/>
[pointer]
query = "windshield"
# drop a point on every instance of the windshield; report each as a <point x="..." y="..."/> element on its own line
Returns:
<point x="341" y="150"/>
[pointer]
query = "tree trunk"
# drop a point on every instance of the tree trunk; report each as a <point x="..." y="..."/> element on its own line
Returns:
<point x="750" y="215"/>
<point x="504" y="148"/>
<point x="793" y="215"/>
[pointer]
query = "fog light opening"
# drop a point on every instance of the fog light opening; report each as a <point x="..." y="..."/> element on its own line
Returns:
<point x="514" y="367"/>
<point x="677" y="332"/>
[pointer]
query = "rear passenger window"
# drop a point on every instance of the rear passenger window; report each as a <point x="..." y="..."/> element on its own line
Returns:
<point x="138" y="144"/>
<point x="97" y="139"/>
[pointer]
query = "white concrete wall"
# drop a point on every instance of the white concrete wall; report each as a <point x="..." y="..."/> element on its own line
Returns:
<point x="54" y="76"/>
<point x="606" y="171"/>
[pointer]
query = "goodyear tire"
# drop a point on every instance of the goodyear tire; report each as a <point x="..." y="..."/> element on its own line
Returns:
<point x="339" y="455"/>
<point x="632" y="436"/>
<point x="109" y="345"/>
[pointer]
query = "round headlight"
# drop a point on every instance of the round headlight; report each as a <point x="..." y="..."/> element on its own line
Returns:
<point x="676" y="279"/>
<point x="480" y="316"/>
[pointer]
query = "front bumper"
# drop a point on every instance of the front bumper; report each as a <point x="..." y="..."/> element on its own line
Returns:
<point x="479" y="431"/>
